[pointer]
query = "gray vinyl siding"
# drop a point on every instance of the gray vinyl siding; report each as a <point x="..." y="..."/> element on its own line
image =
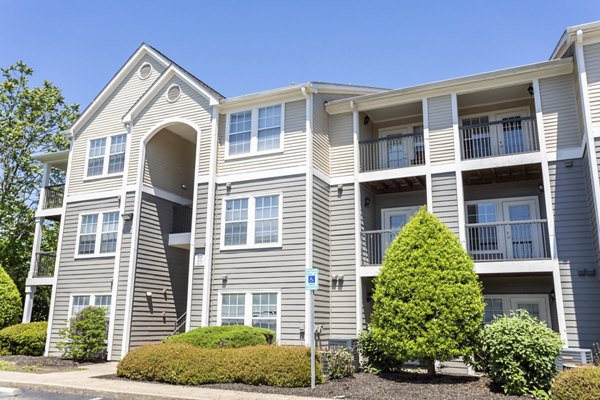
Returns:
<point x="321" y="254"/>
<point x="343" y="251"/>
<point x="190" y="106"/>
<point x="506" y="190"/>
<point x="445" y="201"/>
<point x="198" y="276"/>
<point x="79" y="276"/>
<point x="271" y="268"/>
<point x="559" y="107"/>
<point x="441" y="135"/>
<point x="158" y="267"/>
<point x="592" y="68"/>
<point x="123" y="280"/>
<point x="342" y="145"/>
<point x="107" y="121"/>
<point x="294" y="145"/>
<point x="574" y="235"/>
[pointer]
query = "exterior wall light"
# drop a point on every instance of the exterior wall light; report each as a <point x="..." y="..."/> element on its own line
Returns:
<point x="127" y="216"/>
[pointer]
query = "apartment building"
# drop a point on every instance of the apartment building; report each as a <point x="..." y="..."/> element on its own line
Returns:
<point x="182" y="208"/>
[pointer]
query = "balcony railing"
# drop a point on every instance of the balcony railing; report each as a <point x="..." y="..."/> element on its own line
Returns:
<point x="182" y="219"/>
<point x="507" y="241"/>
<point x="375" y="243"/>
<point x="54" y="196"/>
<point x="498" y="138"/>
<point x="395" y="151"/>
<point x="44" y="265"/>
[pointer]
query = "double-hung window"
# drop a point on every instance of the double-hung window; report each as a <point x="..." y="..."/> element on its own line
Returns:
<point x="253" y="221"/>
<point x="79" y="302"/>
<point x="97" y="234"/>
<point x="258" y="309"/>
<point x="255" y="131"/>
<point x="106" y="156"/>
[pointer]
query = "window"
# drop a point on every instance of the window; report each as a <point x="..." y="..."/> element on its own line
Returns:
<point x="496" y="305"/>
<point x="79" y="302"/>
<point x="106" y="156"/>
<point x="252" y="221"/>
<point x="255" y="131"/>
<point x="98" y="234"/>
<point x="258" y="309"/>
<point x="493" y="308"/>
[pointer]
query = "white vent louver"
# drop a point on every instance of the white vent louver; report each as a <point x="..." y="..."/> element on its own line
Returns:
<point x="173" y="93"/>
<point x="145" y="71"/>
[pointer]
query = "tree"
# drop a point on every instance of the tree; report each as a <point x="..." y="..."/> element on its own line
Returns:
<point x="10" y="303"/>
<point x="427" y="301"/>
<point x="31" y="119"/>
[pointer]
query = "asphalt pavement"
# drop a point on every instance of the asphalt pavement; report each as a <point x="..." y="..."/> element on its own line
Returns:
<point x="35" y="395"/>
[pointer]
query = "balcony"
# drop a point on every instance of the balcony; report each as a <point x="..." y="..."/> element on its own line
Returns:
<point x="44" y="265"/>
<point x="396" y="151"/>
<point x="181" y="227"/>
<point x="375" y="243"/>
<point x="508" y="241"/>
<point x="53" y="196"/>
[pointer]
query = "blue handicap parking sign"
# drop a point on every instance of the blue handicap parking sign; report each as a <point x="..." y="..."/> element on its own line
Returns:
<point x="311" y="281"/>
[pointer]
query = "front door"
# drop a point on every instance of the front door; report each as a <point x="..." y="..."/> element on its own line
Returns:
<point x="523" y="240"/>
<point x="536" y="306"/>
<point x="392" y="222"/>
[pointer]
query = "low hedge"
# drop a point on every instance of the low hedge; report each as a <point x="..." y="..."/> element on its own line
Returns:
<point x="577" y="384"/>
<point x="24" y="339"/>
<point x="184" y="364"/>
<point x="235" y="336"/>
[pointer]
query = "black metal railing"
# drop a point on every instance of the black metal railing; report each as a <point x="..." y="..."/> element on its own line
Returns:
<point x="374" y="245"/>
<point x="54" y="196"/>
<point x="389" y="152"/>
<point x="498" y="138"/>
<point x="508" y="241"/>
<point x="182" y="219"/>
<point x="44" y="265"/>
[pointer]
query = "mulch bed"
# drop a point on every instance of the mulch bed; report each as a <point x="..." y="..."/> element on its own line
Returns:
<point x="39" y="364"/>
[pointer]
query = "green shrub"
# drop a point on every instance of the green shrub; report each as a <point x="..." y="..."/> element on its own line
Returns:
<point x="374" y="358"/>
<point x="234" y="336"/>
<point x="10" y="305"/>
<point x="427" y="303"/>
<point x="84" y="338"/>
<point x="184" y="364"/>
<point x="520" y="353"/>
<point x="577" y="384"/>
<point x="24" y="339"/>
<point x="340" y="363"/>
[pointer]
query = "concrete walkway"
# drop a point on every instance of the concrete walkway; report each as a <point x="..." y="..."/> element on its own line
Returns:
<point x="82" y="382"/>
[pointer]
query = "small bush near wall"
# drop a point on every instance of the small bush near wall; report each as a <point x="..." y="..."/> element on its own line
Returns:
<point x="374" y="358"/>
<point x="184" y="364"/>
<point x="577" y="384"/>
<point x="24" y="339"/>
<point x="10" y="300"/>
<point x="340" y="363"/>
<point x="85" y="337"/>
<point x="520" y="354"/>
<point x="234" y="336"/>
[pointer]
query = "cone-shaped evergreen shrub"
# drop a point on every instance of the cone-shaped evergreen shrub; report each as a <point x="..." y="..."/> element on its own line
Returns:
<point x="10" y="300"/>
<point x="427" y="302"/>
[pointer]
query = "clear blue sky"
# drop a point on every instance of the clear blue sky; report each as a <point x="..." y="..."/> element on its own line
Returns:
<point x="240" y="47"/>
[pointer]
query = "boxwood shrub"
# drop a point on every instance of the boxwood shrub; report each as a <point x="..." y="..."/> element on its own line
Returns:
<point x="234" y="336"/>
<point x="577" y="384"/>
<point x="23" y="339"/>
<point x="182" y="363"/>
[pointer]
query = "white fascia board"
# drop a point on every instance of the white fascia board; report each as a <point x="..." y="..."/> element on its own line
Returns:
<point x="52" y="157"/>
<point x="115" y="81"/>
<point x="515" y="267"/>
<point x="569" y="35"/>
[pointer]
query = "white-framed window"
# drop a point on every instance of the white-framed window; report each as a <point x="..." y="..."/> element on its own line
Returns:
<point x="255" y="131"/>
<point x="252" y="221"/>
<point x="258" y="308"/>
<point x="106" y="156"/>
<point x="97" y="234"/>
<point x="537" y="305"/>
<point x="80" y="301"/>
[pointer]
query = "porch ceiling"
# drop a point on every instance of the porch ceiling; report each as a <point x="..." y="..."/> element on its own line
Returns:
<point x="503" y="174"/>
<point x="407" y="184"/>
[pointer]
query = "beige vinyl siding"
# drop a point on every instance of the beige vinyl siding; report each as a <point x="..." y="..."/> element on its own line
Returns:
<point x="441" y="135"/>
<point x="294" y="145"/>
<point x="198" y="274"/>
<point x="123" y="279"/>
<point x="321" y="256"/>
<point x="169" y="164"/>
<point x="445" y="201"/>
<point x="107" y="121"/>
<point x="559" y="107"/>
<point x="343" y="251"/>
<point x="272" y="268"/>
<point x="158" y="267"/>
<point x="342" y="145"/>
<point x="576" y="250"/>
<point x="592" y="68"/>
<point x="190" y="106"/>
<point x="82" y="275"/>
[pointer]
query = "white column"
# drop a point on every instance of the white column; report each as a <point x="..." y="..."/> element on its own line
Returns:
<point x="357" y="219"/>
<point x="28" y="306"/>
<point x="427" y="155"/>
<point x="462" y="234"/>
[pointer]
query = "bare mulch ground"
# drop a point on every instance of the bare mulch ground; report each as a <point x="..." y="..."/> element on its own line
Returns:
<point x="36" y="364"/>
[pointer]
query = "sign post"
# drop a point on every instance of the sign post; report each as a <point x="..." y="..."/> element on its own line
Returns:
<point x="311" y="283"/>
